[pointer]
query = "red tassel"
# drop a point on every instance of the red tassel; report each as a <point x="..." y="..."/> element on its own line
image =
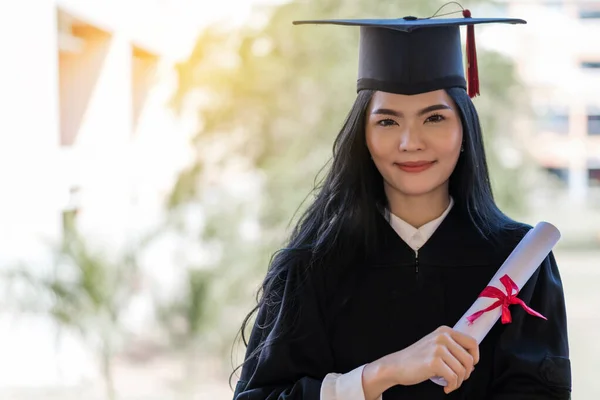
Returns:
<point x="472" y="70"/>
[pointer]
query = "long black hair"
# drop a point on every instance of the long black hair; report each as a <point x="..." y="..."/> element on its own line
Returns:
<point x="341" y="222"/>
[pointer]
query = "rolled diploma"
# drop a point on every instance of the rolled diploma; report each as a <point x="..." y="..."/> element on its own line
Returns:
<point x="520" y="266"/>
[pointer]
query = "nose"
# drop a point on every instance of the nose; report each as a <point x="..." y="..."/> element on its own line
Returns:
<point x="410" y="140"/>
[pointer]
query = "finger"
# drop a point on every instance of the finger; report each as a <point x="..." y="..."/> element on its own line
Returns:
<point x="468" y="343"/>
<point x="444" y="341"/>
<point x="455" y="365"/>
<point x="443" y="330"/>
<point x="463" y="356"/>
<point x="442" y="369"/>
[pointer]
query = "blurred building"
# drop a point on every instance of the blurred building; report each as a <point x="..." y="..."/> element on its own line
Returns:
<point x="86" y="129"/>
<point x="85" y="115"/>
<point x="558" y="57"/>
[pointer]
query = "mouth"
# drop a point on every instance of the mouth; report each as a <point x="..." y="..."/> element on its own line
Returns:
<point x="415" y="166"/>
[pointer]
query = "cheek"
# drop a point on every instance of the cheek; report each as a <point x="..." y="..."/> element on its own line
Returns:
<point x="449" y="147"/>
<point x="451" y="150"/>
<point x="380" y="145"/>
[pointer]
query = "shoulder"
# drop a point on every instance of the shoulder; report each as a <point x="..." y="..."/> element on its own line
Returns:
<point x="506" y="237"/>
<point x="513" y="232"/>
<point x="491" y="243"/>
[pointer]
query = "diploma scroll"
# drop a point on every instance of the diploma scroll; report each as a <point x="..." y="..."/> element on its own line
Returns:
<point x="510" y="277"/>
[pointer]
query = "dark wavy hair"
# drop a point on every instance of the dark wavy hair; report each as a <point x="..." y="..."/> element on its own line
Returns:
<point x="342" y="220"/>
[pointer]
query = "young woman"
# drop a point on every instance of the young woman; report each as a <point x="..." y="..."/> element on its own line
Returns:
<point x="401" y="239"/>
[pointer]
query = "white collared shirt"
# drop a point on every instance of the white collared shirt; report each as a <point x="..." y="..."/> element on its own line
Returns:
<point x="416" y="237"/>
<point x="348" y="386"/>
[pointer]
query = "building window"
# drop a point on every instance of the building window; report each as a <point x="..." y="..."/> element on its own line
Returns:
<point x="554" y="121"/>
<point x="143" y="70"/>
<point x="595" y="65"/>
<point x="554" y="5"/>
<point x="594" y="177"/>
<point x="589" y="14"/>
<point x="82" y="51"/>
<point x="561" y="174"/>
<point x="593" y="122"/>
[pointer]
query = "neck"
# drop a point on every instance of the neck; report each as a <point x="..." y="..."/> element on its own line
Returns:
<point x="418" y="210"/>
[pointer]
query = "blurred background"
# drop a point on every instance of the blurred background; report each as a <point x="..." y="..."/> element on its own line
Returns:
<point x="154" y="154"/>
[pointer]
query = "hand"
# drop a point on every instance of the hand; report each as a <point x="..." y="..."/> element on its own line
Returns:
<point x="444" y="352"/>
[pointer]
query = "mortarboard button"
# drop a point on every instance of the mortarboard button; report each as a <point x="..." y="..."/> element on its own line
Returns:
<point x="410" y="18"/>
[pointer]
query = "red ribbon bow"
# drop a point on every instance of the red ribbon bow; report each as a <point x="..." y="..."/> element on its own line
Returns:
<point x="504" y="300"/>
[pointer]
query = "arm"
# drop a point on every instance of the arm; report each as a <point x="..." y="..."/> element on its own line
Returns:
<point x="377" y="377"/>
<point x="292" y="353"/>
<point x="366" y="382"/>
<point x="300" y="366"/>
<point x="532" y="355"/>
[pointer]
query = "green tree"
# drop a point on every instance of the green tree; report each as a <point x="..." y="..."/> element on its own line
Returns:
<point x="84" y="291"/>
<point x="185" y="319"/>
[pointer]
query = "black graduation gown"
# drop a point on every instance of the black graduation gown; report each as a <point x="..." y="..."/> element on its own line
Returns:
<point x="394" y="299"/>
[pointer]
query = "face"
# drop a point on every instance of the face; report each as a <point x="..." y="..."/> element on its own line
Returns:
<point x="414" y="141"/>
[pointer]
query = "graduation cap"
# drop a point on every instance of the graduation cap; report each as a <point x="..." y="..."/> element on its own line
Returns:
<point x="413" y="55"/>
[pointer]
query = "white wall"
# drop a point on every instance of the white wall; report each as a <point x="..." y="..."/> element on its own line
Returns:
<point x="123" y="167"/>
<point x="29" y="121"/>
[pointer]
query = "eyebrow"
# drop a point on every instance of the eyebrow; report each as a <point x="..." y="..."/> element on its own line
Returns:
<point x="387" y="111"/>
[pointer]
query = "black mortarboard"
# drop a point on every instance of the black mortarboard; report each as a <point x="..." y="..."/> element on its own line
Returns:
<point x="415" y="55"/>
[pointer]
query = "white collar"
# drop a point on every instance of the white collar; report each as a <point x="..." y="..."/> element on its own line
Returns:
<point x="414" y="237"/>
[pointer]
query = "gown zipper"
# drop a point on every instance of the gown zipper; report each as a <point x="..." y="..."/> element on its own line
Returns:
<point x="417" y="265"/>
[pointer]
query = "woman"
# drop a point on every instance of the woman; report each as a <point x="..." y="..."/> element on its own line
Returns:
<point x="400" y="241"/>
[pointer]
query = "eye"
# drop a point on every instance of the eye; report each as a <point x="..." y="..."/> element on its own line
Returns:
<point x="386" y="122"/>
<point x="435" y="118"/>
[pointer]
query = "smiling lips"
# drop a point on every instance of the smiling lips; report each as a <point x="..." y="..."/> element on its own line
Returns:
<point x="414" y="166"/>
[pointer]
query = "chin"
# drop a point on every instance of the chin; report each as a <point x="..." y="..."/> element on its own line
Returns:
<point x="416" y="191"/>
<point x="417" y="188"/>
